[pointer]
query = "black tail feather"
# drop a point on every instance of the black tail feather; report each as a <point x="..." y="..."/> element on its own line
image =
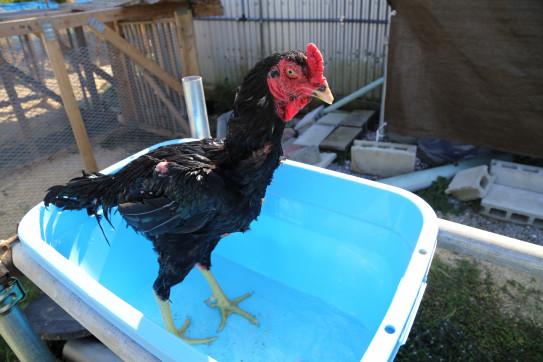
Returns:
<point x="90" y="192"/>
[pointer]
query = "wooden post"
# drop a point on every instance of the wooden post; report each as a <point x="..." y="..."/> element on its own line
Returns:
<point x="164" y="98"/>
<point x="109" y="34"/>
<point x="123" y="87"/>
<point x="52" y="47"/>
<point x="187" y="41"/>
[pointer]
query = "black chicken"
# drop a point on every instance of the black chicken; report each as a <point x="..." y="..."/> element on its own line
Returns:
<point x="186" y="197"/>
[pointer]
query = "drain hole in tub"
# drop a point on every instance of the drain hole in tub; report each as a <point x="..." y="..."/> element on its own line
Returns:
<point x="519" y="217"/>
<point x="423" y="251"/>
<point x="390" y="329"/>
<point x="497" y="212"/>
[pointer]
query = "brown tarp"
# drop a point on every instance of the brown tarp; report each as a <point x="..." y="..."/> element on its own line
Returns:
<point x="469" y="71"/>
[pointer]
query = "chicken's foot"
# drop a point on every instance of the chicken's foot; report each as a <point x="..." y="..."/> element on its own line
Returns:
<point x="164" y="307"/>
<point x="221" y="301"/>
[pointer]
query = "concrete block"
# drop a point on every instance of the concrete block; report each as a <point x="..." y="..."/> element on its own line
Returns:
<point x="308" y="155"/>
<point x="513" y="204"/>
<point x="357" y="118"/>
<point x="309" y="119"/>
<point x="333" y="118"/>
<point x="517" y="175"/>
<point x="470" y="184"/>
<point x="382" y="159"/>
<point x="314" y="135"/>
<point x="341" y="138"/>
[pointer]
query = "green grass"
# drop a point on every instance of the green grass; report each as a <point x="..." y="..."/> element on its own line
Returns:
<point x="460" y="320"/>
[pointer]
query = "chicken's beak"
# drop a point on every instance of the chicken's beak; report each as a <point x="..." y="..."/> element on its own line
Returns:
<point x="324" y="94"/>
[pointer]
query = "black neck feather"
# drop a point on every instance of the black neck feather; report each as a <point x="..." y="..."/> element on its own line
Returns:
<point x="254" y="121"/>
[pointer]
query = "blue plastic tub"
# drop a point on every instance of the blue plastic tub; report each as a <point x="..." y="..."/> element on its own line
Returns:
<point x="337" y="264"/>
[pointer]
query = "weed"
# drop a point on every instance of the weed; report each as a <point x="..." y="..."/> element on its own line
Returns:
<point x="436" y="197"/>
<point x="222" y="98"/>
<point x="460" y="319"/>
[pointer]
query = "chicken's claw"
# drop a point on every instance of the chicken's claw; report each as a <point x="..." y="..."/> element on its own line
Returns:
<point x="221" y="301"/>
<point x="227" y="307"/>
<point x="181" y="334"/>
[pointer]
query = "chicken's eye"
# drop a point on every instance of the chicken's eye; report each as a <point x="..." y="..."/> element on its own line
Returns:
<point x="291" y="73"/>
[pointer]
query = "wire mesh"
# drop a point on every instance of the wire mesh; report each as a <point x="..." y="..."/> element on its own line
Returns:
<point x="124" y="108"/>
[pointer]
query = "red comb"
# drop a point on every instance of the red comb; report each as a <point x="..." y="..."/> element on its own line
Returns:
<point x="315" y="62"/>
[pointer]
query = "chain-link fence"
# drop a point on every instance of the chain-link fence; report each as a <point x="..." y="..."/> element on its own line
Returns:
<point x="124" y="108"/>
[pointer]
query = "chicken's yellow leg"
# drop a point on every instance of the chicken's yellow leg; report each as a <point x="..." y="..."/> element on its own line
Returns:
<point x="164" y="306"/>
<point x="221" y="301"/>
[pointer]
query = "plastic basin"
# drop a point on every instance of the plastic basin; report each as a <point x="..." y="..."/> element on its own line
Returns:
<point x="338" y="267"/>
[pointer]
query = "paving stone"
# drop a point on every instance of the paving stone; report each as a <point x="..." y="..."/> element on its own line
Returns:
<point x="382" y="159"/>
<point x="308" y="155"/>
<point x="513" y="204"/>
<point x="326" y="159"/>
<point x="314" y="135"/>
<point x="333" y="118"/>
<point x="357" y="118"/>
<point x="288" y="133"/>
<point x="290" y="148"/>
<point x="470" y="184"/>
<point x="341" y="138"/>
<point x="309" y="119"/>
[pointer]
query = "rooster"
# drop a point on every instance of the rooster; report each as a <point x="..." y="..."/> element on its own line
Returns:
<point x="184" y="198"/>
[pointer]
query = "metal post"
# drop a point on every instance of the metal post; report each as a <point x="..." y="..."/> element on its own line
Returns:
<point x="381" y="129"/>
<point x="15" y="327"/>
<point x="196" y="106"/>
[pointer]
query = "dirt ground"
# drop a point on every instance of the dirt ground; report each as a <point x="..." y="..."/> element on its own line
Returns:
<point x="21" y="190"/>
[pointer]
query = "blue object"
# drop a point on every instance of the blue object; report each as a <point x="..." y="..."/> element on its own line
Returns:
<point x="337" y="264"/>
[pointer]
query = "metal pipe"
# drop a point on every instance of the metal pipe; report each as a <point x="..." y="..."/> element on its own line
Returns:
<point x="354" y="95"/>
<point x="16" y="329"/>
<point x="116" y="340"/>
<point x="381" y="129"/>
<point x="196" y="106"/>
<point x="325" y="20"/>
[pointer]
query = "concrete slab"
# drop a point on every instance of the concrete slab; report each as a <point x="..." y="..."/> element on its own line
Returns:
<point x="517" y="175"/>
<point x="333" y="118"/>
<point x="470" y="184"/>
<point x="309" y="119"/>
<point x="341" y="138"/>
<point x="326" y="159"/>
<point x="513" y="204"/>
<point x="314" y="135"/>
<point x="357" y="118"/>
<point x="382" y="159"/>
<point x="308" y="155"/>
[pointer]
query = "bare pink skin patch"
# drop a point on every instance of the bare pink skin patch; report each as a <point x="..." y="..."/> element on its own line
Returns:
<point x="267" y="147"/>
<point x="162" y="167"/>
